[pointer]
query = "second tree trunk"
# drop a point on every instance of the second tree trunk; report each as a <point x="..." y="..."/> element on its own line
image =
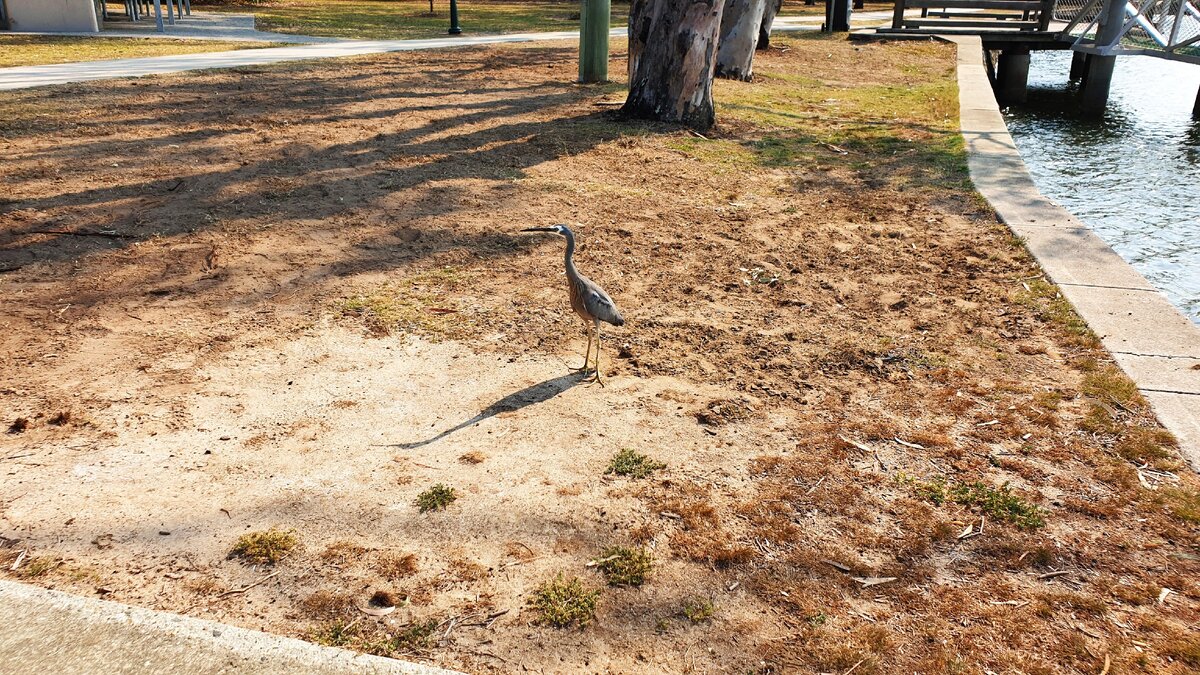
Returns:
<point x="739" y="36"/>
<point x="764" y="28"/>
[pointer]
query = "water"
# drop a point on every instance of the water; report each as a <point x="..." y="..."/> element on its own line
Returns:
<point x="1133" y="176"/>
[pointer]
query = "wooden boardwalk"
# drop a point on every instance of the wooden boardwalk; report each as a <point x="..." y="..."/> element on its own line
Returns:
<point x="1023" y="24"/>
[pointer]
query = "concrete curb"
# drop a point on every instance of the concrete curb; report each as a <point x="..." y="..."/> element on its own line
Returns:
<point x="48" y="631"/>
<point x="1152" y="341"/>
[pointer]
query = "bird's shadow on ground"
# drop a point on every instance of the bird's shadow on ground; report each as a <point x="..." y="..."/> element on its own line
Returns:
<point x="534" y="393"/>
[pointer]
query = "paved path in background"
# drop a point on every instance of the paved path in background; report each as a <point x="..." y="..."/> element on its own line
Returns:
<point x="45" y="631"/>
<point x="25" y="77"/>
<point x="1152" y="341"/>
<point x="198" y="26"/>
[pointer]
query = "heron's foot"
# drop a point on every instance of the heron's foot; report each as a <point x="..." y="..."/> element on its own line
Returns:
<point x="596" y="379"/>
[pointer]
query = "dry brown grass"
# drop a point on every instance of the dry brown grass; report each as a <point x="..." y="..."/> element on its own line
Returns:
<point x="392" y="565"/>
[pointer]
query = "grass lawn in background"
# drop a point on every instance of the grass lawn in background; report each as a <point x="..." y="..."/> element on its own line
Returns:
<point x="33" y="50"/>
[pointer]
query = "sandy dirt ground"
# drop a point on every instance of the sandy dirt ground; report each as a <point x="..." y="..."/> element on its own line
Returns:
<point x="296" y="297"/>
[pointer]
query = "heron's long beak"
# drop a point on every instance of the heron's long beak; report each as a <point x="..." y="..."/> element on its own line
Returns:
<point x="538" y="229"/>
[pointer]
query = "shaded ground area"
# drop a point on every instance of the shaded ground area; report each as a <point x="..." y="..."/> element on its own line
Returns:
<point x="889" y="445"/>
<point x="33" y="50"/>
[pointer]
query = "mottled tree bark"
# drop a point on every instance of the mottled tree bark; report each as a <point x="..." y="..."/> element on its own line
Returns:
<point x="764" y="28"/>
<point x="672" y="55"/>
<point x="739" y="35"/>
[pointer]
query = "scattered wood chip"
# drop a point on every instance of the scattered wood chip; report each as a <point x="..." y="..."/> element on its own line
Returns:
<point x="988" y="423"/>
<point x="1012" y="603"/>
<point x="377" y="611"/>
<point x="816" y="485"/>
<point x="1107" y="664"/>
<point x="860" y="446"/>
<point x="915" y="446"/>
<point x="837" y="565"/>
<point x="1162" y="595"/>
<point x="601" y="561"/>
<point x="1052" y="575"/>
<point x="20" y="559"/>
<point x="867" y="582"/>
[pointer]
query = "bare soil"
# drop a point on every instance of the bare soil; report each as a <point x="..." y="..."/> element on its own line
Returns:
<point x="296" y="297"/>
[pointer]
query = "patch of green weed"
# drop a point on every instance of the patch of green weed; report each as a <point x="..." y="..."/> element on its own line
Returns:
<point x="998" y="503"/>
<point x="436" y="498"/>
<point x="565" y="602"/>
<point x="633" y="464"/>
<point x="624" y="566"/>
<point x="265" y="547"/>
<point x="698" y="609"/>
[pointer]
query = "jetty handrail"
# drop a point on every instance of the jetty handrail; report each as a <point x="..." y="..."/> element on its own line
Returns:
<point x="1165" y="28"/>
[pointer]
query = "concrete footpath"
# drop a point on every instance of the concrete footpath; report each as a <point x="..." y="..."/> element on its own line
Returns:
<point x="50" y="632"/>
<point x="1152" y="341"/>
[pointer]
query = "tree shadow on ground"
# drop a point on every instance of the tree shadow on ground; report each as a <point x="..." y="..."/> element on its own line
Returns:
<point x="318" y="145"/>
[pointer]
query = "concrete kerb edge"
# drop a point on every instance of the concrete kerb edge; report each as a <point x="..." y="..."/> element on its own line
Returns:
<point x="112" y="637"/>
<point x="1000" y="175"/>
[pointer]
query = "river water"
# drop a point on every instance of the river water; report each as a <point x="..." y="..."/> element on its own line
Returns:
<point x="1133" y="176"/>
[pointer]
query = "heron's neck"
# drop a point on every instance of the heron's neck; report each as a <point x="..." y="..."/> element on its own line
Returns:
<point x="569" y="257"/>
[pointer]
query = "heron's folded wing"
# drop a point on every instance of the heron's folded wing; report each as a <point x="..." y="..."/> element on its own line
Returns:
<point x="602" y="307"/>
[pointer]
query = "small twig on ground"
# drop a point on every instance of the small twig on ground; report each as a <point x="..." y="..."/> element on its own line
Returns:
<point x="817" y="485"/>
<point x="855" y="666"/>
<point x="837" y="565"/>
<point x="28" y="454"/>
<point x="19" y="560"/>
<point x="1107" y="664"/>
<point x="1051" y="575"/>
<point x="601" y="561"/>
<point x="83" y="233"/>
<point x="514" y="563"/>
<point x="246" y="588"/>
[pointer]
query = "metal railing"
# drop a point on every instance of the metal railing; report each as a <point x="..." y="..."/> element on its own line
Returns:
<point x="1164" y="28"/>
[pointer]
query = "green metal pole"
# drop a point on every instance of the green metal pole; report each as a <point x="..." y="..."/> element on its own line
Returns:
<point x="455" y="29"/>
<point x="593" y="40"/>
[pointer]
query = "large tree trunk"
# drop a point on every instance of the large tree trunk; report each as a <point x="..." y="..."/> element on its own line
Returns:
<point x="764" y="28"/>
<point x="739" y="35"/>
<point x="672" y="54"/>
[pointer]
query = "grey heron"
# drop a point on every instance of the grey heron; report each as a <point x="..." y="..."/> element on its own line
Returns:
<point x="588" y="300"/>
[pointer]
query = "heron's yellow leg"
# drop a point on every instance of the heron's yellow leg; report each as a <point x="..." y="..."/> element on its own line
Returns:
<point x="598" y="380"/>
<point x="587" y="353"/>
